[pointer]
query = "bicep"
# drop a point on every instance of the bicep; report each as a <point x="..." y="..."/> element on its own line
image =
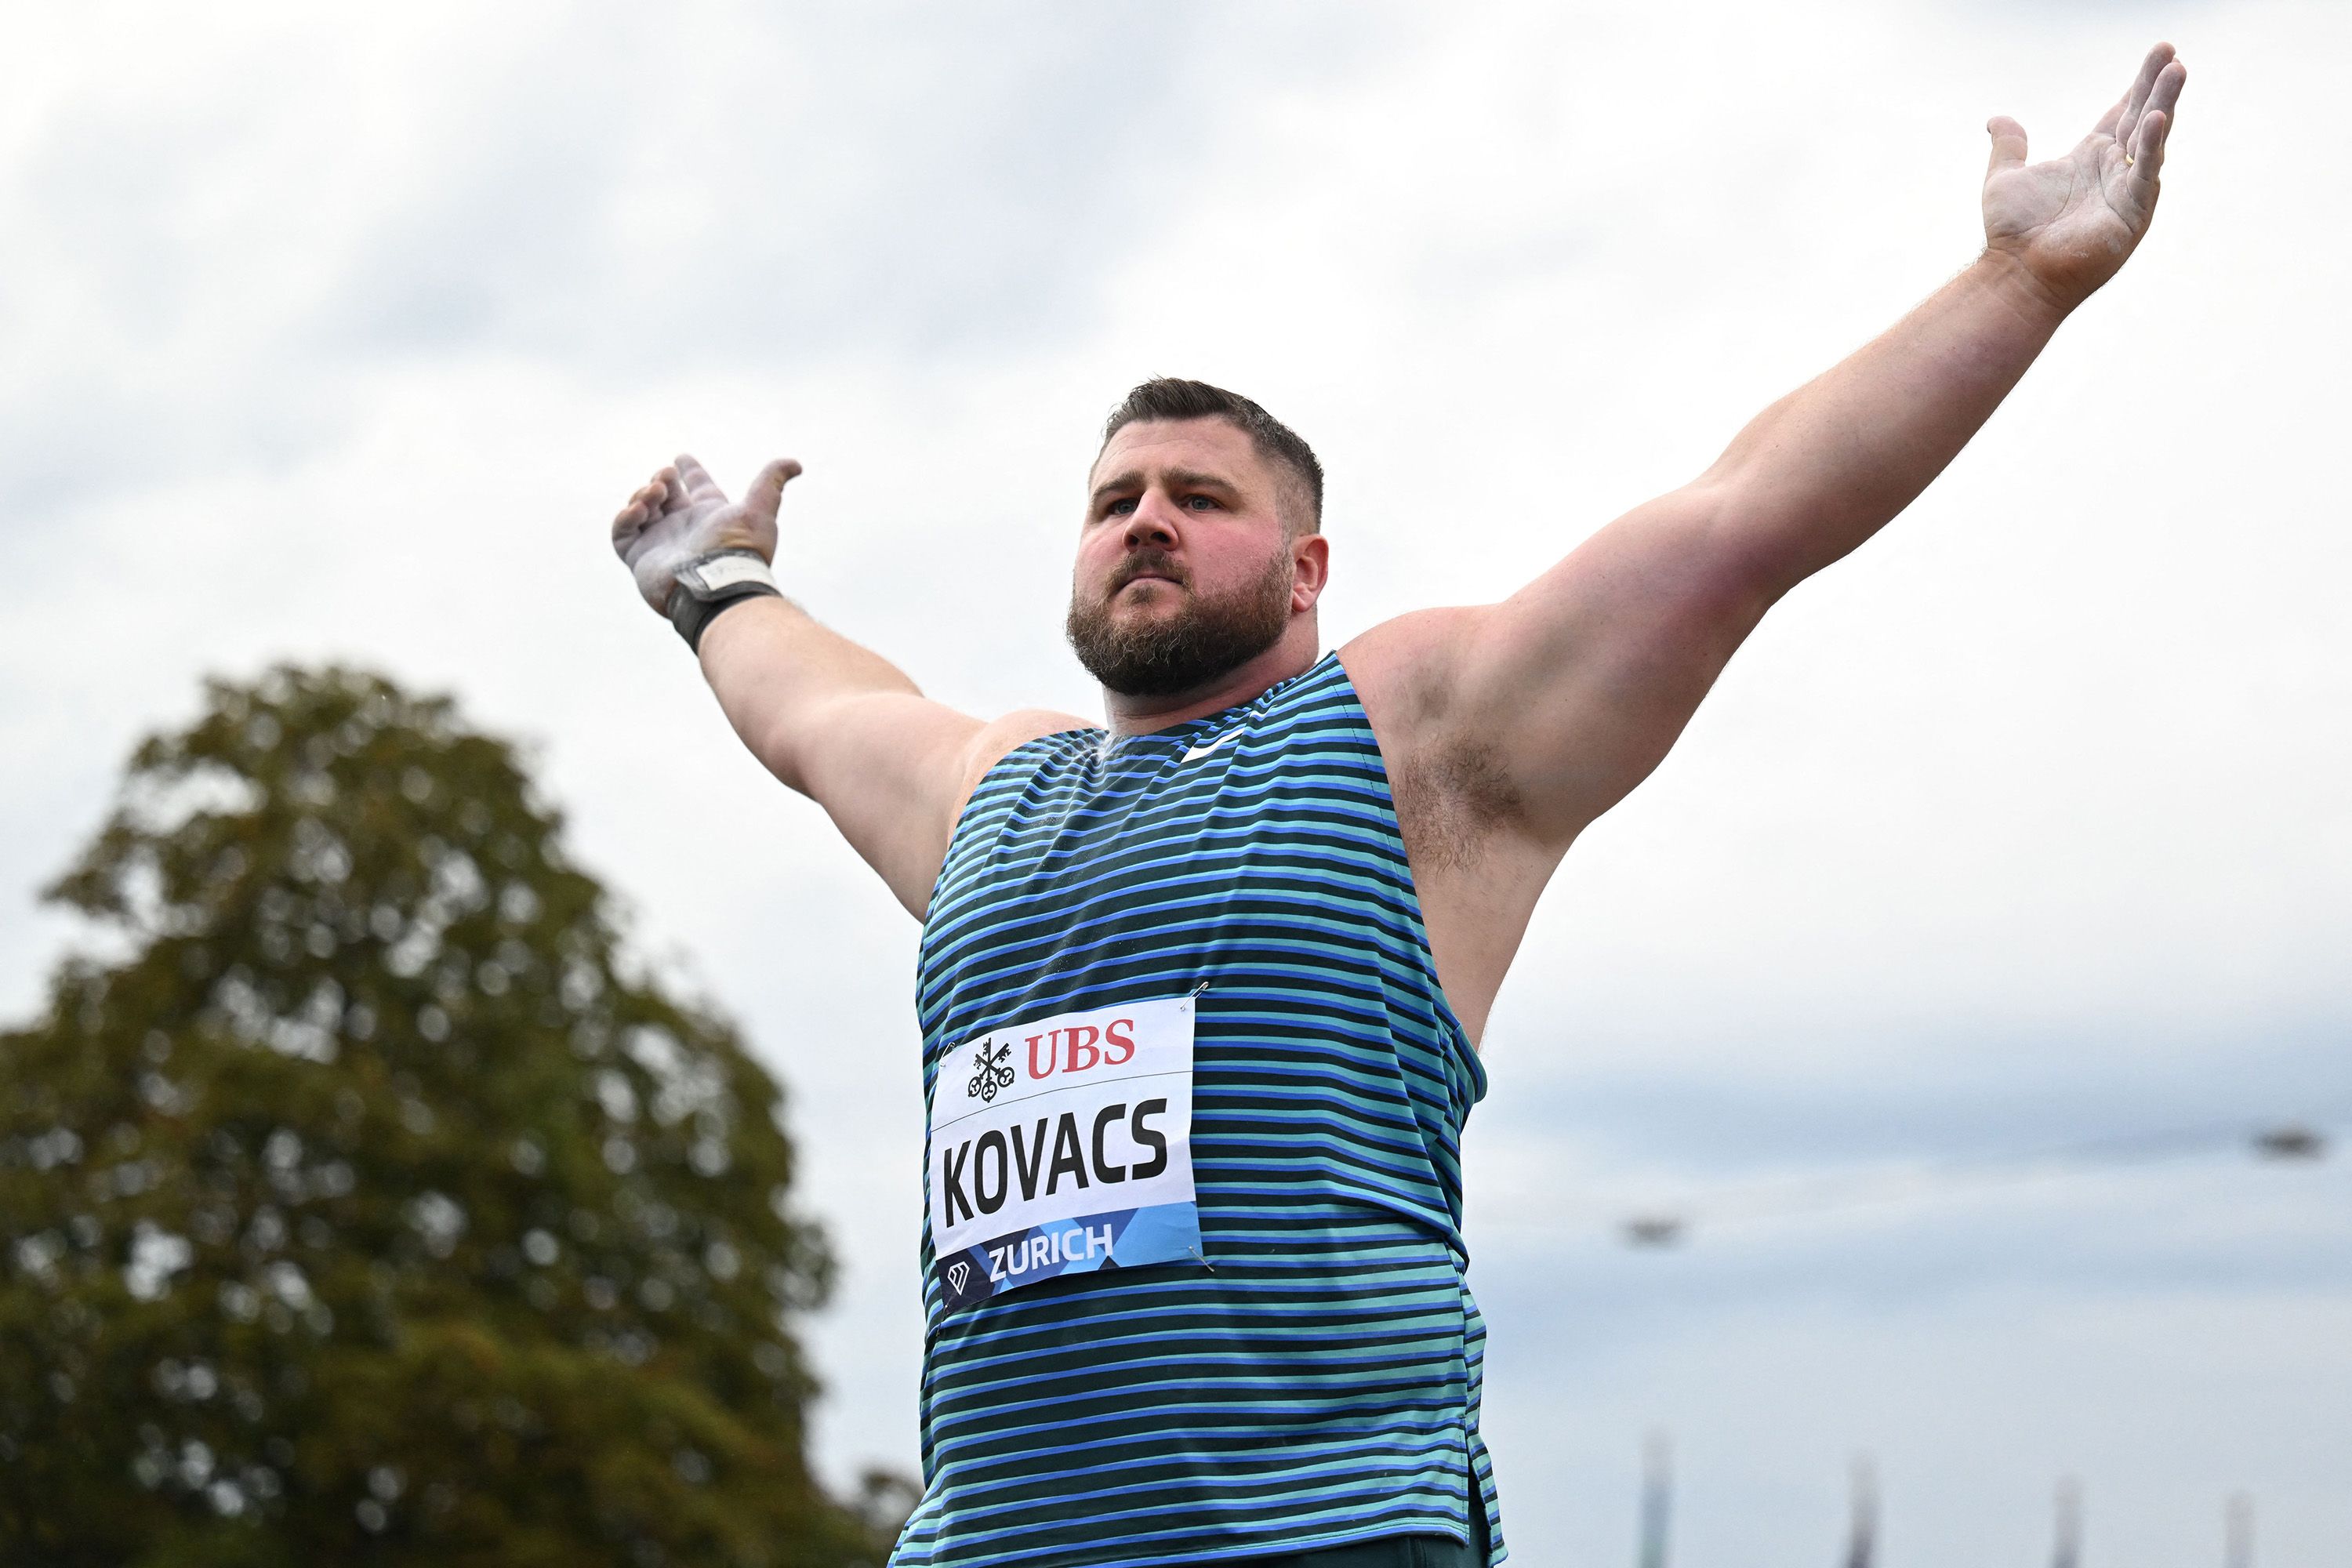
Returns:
<point x="893" y="770"/>
<point x="1583" y="679"/>
<point x="845" y="726"/>
<point x="884" y="767"/>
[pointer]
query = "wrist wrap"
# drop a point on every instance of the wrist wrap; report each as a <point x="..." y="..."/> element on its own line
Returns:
<point x="712" y="584"/>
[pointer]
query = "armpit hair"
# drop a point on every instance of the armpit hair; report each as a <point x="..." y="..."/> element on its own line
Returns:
<point x="1450" y="805"/>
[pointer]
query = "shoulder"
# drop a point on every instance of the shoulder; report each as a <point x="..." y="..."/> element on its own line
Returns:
<point x="1447" y="772"/>
<point x="999" y="738"/>
<point x="1405" y="670"/>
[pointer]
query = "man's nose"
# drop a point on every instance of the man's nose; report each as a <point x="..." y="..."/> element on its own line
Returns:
<point x="1153" y="521"/>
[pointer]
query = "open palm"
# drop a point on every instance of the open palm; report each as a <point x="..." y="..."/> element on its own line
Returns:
<point x="2073" y="220"/>
<point x="681" y="514"/>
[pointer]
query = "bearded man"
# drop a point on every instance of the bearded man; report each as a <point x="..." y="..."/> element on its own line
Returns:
<point x="1200" y="990"/>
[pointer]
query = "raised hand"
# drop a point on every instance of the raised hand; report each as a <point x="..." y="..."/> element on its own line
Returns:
<point x="681" y="514"/>
<point x="2072" y="222"/>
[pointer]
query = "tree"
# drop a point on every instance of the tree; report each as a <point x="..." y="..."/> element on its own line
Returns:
<point x="365" y="1206"/>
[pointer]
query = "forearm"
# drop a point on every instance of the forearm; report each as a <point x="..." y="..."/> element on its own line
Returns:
<point x="781" y="678"/>
<point x="1826" y="467"/>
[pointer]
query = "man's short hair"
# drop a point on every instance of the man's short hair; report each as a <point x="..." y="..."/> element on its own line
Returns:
<point x="1168" y="398"/>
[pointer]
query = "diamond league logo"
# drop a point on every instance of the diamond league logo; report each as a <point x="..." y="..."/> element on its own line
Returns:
<point x="957" y="1274"/>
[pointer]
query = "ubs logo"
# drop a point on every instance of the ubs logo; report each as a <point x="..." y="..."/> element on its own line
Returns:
<point x="995" y="1072"/>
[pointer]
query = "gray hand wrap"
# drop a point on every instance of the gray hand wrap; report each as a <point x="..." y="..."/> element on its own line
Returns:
<point x="712" y="584"/>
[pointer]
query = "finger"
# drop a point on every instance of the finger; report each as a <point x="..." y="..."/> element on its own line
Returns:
<point x="2147" y="147"/>
<point x="644" y="505"/>
<point x="627" y="523"/>
<point x="700" y="485"/>
<point x="767" y="491"/>
<point x="663" y="492"/>
<point x="2163" y="98"/>
<point x="2143" y="83"/>
<point x="2007" y="143"/>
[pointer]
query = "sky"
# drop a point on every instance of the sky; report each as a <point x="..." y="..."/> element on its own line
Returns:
<point x="342" y="336"/>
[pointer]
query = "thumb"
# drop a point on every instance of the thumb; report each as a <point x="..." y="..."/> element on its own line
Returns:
<point x="2007" y="143"/>
<point x="767" y="491"/>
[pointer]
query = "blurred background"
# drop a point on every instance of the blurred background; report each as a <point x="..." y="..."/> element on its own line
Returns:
<point x="1925" y="1006"/>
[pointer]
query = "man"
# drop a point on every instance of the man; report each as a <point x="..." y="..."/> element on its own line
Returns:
<point x="1199" y="992"/>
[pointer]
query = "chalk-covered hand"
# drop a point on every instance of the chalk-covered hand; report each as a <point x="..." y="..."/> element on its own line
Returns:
<point x="2073" y="221"/>
<point x="681" y="515"/>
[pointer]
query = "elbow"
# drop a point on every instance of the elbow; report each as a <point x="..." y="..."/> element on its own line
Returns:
<point x="1758" y="549"/>
<point x="777" y="742"/>
<point x="1738" y="564"/>
<point x="783" y="760"/>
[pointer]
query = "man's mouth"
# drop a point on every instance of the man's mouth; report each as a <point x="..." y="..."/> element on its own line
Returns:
<point x="1144" y="569"/>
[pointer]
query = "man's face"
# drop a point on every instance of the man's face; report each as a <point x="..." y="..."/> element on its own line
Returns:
<point x="1184" y="568"/>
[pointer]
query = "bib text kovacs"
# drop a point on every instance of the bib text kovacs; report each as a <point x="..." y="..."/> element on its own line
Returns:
<point x="1064" y="1145"/>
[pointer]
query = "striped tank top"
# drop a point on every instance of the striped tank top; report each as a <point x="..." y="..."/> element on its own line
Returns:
<point x="1310" y="1375"/>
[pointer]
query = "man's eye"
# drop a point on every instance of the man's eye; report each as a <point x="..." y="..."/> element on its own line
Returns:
<point x="1198" y="503"/>
<point x="1120" y="508"/>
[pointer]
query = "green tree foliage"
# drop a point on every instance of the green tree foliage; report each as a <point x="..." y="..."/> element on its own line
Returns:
<point x="363" y="1206"/>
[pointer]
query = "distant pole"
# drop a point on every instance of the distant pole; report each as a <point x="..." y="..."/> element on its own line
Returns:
<point x="1657" y="1499"/>
<point x="1862" y="1539"/>
<point x="2068" y="1553"/>
<point x="2238" y="1533"/>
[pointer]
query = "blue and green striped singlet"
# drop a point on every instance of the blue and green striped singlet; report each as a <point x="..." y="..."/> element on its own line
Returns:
<point x="1315" y="1380"/>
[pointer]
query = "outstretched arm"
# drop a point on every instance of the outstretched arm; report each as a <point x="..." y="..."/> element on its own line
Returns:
<point x="1828" y="466"/>
<point x="1575" y="688"/>
<point x="834" y="721"/>
<point x="1507" y="727"/>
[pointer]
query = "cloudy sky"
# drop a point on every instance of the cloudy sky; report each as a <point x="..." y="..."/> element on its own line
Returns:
<point x="2030" y="826"/>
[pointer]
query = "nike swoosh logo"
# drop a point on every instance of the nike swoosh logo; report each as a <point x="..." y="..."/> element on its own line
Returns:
<point x="1195" y="753"/>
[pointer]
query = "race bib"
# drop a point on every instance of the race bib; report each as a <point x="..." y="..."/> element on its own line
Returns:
<point x="1064" y="1145"/>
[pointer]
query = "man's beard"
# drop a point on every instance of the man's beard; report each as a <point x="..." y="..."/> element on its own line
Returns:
<point x="1171" y="654"/>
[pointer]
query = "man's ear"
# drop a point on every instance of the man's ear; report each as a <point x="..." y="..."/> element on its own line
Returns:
<point x="1310" y="568"/>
